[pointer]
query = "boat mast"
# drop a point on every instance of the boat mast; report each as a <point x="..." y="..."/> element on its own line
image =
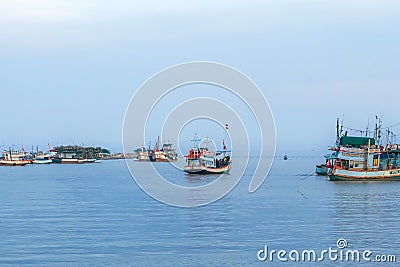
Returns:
<point x="377" y="134"/>
<point x="369" y="144"/>
<point x="338" y="132"/>
<point x="223" y="141"/>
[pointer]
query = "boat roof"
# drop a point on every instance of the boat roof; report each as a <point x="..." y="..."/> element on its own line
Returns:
<point x="356" y="141"/>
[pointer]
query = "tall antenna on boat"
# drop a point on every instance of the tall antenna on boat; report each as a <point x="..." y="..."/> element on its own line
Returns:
<point x="379" y="131"/>
<point x="226" y="132"/>
<point x="195" y="140"/>
<point x="376" y="129"/>
<point x="366" y="131"/>
<point x="337" y="130"/>
<point x="392" y="134"/>
<point x="341" y="127"/>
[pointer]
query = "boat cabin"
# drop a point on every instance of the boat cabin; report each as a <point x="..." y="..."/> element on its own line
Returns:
<point x="362" y="154"/>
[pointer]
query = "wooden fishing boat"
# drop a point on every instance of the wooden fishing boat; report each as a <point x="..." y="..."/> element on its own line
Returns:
<point x="201" y="160"/>
<point x="4" y="162"/>
<point x="164" y="153"/>
<point x="361" y="158"/>
<point x="15" y="158"/>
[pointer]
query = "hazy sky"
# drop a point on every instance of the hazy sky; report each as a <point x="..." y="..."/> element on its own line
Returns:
<point x="68" y="69"/>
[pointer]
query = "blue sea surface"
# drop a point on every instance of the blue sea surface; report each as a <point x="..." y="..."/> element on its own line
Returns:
<point x="96" y="215"/>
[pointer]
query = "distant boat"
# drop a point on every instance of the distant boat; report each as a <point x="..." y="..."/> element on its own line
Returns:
<point x="142" y="154"/>
<point x="15" y="158"/>
<point x="42" y="159"/>
<point x="72" y="155"/>
<point x="4" y="162"/>
<point x="285" y="157"/>
<point x="170" y="152"/>
<point x="201" y="160"/>
<point x="164" y="153"/>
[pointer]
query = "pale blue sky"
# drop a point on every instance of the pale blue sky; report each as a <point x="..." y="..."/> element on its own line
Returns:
<point x="69" y="68"/>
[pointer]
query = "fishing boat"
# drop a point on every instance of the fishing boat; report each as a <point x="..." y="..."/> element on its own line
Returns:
<point x="42" y="159"/>
<point x="74" y="155"/>
<point x="164" y="153"/>
<point x="202" y="160"/>
<point x="321" y="169"/>
<point x="141" y="154"/>
<point x="326" y="168"/>
<point x="15" y="158"/>
<point x="361" y="158"/>
<point x="170" y="152"/>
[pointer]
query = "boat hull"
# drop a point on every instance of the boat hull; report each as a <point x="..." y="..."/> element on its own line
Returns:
<point x="14" y="162"/>
<point x="42" y="161"/>
<point x="70" y="161"/>
<point x="153" y="159"/>
<point x="346" y="175"/>
<point x="207" y="170"/>
<point x="321" y="170"/>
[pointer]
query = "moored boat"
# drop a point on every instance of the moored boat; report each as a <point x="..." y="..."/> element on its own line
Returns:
<point x="42" y="159"/>
<point x="321" y="169"/>
<point x="164" y="153"/>
<point x="73" y="155"/>
<point x="4" y="162"/>
<point x="365" y="158"/>
<point x="141" y="154"/>
<point x="15" y="158"/>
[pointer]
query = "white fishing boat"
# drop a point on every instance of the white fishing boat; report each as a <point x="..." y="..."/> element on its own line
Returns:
<point x="142" y="154"/>
<point x="42" y="159"/>
<point x="15" y="158"/>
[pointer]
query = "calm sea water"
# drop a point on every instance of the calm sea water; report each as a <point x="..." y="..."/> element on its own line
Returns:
<point x="96" y="215"/>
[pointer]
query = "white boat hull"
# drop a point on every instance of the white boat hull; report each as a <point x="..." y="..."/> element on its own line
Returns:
<point x="348" y="175"/>
<point x="42" y="161"/>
